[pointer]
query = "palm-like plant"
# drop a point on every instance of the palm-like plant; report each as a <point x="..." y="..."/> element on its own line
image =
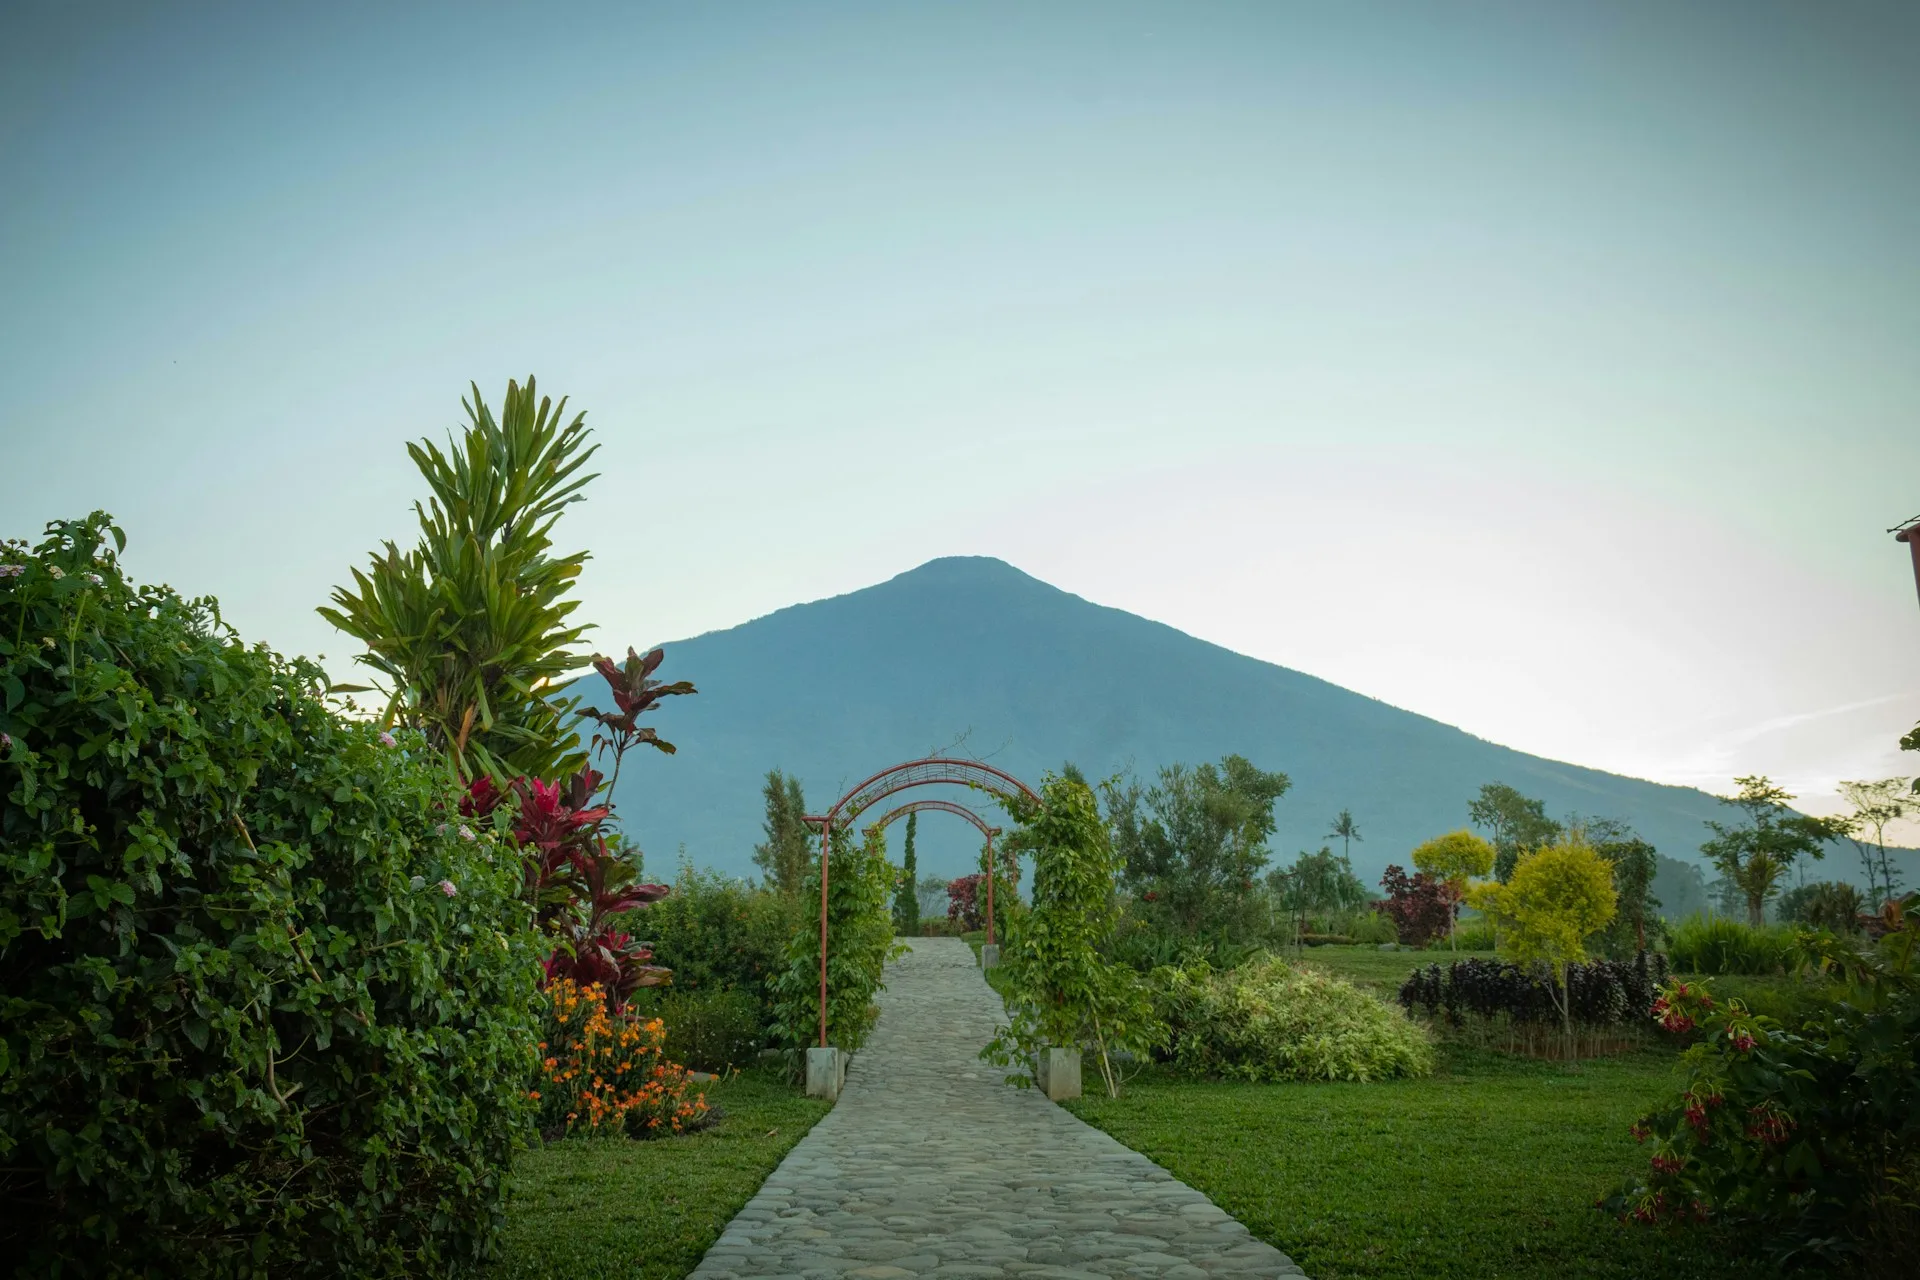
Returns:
<point x="1345" y="830"/>
<point x="470" y="628"/>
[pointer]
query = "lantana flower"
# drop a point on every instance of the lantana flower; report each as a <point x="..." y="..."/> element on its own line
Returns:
<point x="12" y="570"/>
<point x="447" y="887"/>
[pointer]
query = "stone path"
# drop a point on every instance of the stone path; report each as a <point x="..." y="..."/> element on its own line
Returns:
<point x="930" y="1165"/>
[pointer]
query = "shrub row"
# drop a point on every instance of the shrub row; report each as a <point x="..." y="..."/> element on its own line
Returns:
<point x="1600" y="992"/>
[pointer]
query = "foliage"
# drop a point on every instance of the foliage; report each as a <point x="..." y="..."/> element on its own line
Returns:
<point x="860" y="937"/>
<point x="269" y="1008"/>
<point x="789" y="849"/>
<point x="1755" y="856"/>
<point x="1487" y="1168"/>
<point x="1500" y="998"/>
<point x="1518" y="824"/>
<point x="906" y="899"/>
<point x="1810" y="1136"/>
<point x="590" y="1209"/>
<point x="1345" y="830"/>
<point x="719" y="935"/>
<point x="604" y="1070"/>
<point x="714" y="1029"/>
<point x="1557" y="896"/>
<point x="1458" y="856"/>
<point x="1270" y="1021"/>
<point x="470" y="629"/>
<point x="1635" y="864"/>
<point x="1718" y="944"/>
<point x="1421" y="906"/>
<point x="1200" y="843"/>
<point x="1875" y="805"/>
<point x="1833" y="905"/>
<point x="1317" y="885"/>
<point x="967" y="902"/>
<point x="635" y="692"/>
<point x="1060" y="991"/>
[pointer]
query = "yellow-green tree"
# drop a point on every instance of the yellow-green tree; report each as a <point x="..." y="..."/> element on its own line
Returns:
<point x="1456" y="858"/>
<point x="1557" y="897"/>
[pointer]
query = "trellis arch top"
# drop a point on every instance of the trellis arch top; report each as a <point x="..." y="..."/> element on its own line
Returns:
<point x="924" y="772"/>
<point x="941" y="806"/>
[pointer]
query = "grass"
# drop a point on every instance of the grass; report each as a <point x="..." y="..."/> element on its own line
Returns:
<point x="1379" y="971"/>
<point x="605" y="1207"/>
<point x="1487" y="1170"/>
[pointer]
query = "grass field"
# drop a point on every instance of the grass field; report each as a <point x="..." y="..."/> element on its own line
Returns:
<point x="597" y="1207"/>
<point x="1377" y="970"/>
<point x="1487" y="1171"/>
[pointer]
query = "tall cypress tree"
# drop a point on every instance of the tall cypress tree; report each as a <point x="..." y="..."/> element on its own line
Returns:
<point x="906" y="896"/>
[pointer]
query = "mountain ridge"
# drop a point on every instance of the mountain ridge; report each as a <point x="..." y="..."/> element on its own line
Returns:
<point x="974" y="652"/>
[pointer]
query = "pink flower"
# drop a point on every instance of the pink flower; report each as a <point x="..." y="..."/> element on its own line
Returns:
<point x="12" y="570"/>
<point x="386" y="739"/>
<point x="466" y="833"/>
<point x="6" y="742"/>
<point x="446" y="887"/>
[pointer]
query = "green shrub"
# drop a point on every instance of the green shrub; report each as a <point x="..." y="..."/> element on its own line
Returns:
<point x="1472" y="935"/>
<point x="711" y="1030"/>
<point x="1270" y="1021"/>
<point x="1372" y="928"/>
<point x="859" y="939"/>
<point x="721" y="934"/>
<point x="269" y="1004"/>
<point x="1718" y="944"/>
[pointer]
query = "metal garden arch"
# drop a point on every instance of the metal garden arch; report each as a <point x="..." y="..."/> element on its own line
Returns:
<point x="925" y="772"/>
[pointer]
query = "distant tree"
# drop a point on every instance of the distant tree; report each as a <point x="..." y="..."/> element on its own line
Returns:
<point x="1456" y="859"/>
<point x="1635" y="864"/>
<point x="1517" y="822"/>
<point x="1420" y="906"/>
<point x="1875" y="805"/>
<point x="1754" y="857"/>
<point x="906" y="897"/>
<point x="788" y="851"/>
<point x="1316" y="883"/>
<point x="1346" y="831"/>
<point x="932" y="895"/>
<point x="1200" y="841"/>
<point x="1825" y="904"/>
<point x="1557" y="896"/>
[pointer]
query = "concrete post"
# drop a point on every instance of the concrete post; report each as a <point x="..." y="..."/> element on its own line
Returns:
<point x="1057" y="1071"/>
<point x="989" y="955"/>
<point x="826" y="1072"/>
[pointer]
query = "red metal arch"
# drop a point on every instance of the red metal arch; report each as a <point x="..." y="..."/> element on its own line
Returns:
<point x="940" y="806"/>
<point x="924" y="772"/>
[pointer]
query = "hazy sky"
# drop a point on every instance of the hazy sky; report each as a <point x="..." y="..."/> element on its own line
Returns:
<point x="1552" y="370"/>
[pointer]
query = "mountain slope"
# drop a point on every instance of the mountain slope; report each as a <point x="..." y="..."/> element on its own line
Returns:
<point x="836" y="689"/>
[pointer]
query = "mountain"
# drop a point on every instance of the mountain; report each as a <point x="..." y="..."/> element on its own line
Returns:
<point x="1028" y="676"/>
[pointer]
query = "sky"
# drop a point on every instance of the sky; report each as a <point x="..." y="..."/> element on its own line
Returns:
<point x="1545" y="369"/>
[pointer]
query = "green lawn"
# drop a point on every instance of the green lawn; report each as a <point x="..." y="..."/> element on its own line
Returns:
<point x="1487" y="1171"/>
<point x="589" y="1208"/>
<point x="1377" y="970"/>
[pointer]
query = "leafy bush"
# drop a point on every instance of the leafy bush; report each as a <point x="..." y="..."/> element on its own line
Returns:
<point x="859" y="938"/>
<point x="718" y="934"/>
<point x="1270" y="1021"/>
<point x="606" y="1070"/>
<point x="269" y="1004"/>
<point x="711" y="1030"/>
<point x="1473" y="935"/>
<point x="1810" y="1137"/>
<point x="1421" y="906"/>
<point x="1060" y="990"/>
<point x="1719" y="944"/>
<point x="1520" y="1003"/>
<point x="967" y="902"/>
<point x="1832" y="905"/>
<point x="1371" y="928"/>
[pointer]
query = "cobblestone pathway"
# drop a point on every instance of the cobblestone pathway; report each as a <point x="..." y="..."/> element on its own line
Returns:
<point x="931" y="1166"/>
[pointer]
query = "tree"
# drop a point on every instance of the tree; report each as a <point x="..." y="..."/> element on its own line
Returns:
<point x="1517" y="822"/>
<point x="1875" y="805"/>
<point x="470" y="628"/>
<point x="1320" y="882"/>
<point x="1635" y="864"/>
<point x="1419" y="905"/>
<point x="1755" y="857"/>
<point x="1556" y="897"/>
<point x="1455" y="858"/>
<point x="906" y="898"/>
<point x="1825" y="904"/>
<point x="1202" y="840"/>
<point x="1346" y="831"/>
<point x="788" y="851"/>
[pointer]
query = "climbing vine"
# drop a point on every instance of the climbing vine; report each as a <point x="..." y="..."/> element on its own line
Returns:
<point x="859" y="939"/>
<point x="1060" y="991"/>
